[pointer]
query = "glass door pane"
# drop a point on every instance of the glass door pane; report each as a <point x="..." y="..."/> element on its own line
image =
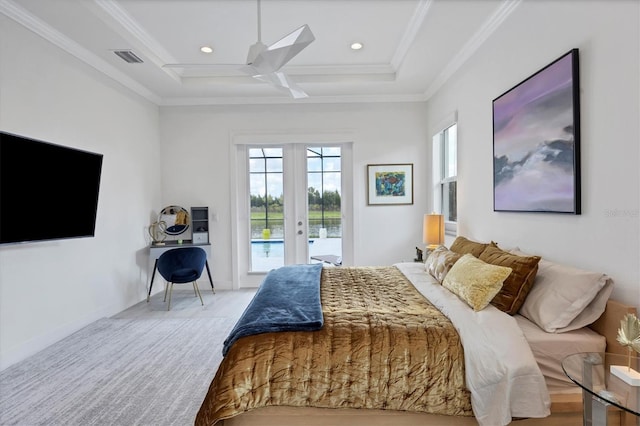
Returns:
<point x="324" y="193"/>
<point x="266" y="208"/>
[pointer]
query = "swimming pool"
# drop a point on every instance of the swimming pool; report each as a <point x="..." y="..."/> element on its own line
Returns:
<point x="269" y="254"/>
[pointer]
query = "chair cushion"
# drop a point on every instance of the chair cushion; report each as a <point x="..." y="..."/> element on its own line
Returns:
<point x="183" y="275"/>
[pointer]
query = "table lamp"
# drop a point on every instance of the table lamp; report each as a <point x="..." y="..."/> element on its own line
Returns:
<point x="432" y="231"/>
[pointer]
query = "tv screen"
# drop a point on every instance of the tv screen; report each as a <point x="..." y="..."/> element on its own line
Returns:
<point x="47" y="191"/>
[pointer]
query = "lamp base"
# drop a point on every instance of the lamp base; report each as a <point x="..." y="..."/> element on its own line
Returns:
<point x="628" y="375"/>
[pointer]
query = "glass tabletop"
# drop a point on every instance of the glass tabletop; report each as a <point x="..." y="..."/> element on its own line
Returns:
<point x="593" y="372"/>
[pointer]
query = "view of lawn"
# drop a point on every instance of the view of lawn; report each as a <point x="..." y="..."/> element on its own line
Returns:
<point x="312" y="215"/>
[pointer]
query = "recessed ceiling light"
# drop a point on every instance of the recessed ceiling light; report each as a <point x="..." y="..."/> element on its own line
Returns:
<point x="356" y="46"/>
<point x="206" y="49"/>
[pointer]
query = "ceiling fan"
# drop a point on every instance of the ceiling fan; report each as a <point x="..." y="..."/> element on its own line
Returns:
<point x="264" y="62"/>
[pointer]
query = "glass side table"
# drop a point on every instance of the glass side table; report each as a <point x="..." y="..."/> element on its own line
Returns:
<point x="602" y="389"/>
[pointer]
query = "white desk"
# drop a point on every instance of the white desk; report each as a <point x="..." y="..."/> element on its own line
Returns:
<point x="156" y="250"/>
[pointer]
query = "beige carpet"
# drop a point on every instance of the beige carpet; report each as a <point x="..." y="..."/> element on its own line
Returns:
<point x="117" y="372"/>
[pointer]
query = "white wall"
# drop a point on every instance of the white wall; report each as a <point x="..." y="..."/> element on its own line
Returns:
<point x="50" y="289"/>
<point x="606" y="237"/>
<point x="197" y="169"/>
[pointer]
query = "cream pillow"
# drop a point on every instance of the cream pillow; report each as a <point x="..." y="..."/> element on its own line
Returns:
<point x="564" y="298"/>
<point x="475" y="281"/>
<point x="440" y="261"/>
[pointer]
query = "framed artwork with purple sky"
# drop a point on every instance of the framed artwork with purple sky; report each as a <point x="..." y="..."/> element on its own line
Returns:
<point x="536" y="141"/>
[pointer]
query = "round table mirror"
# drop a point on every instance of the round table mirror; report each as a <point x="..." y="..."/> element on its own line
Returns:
<point x="176" y="219"/>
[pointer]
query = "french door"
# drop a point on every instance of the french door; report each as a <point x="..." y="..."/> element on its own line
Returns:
<point x="292" y="206"/>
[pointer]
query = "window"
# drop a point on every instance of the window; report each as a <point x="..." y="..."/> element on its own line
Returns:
<point x="445" y="179"/>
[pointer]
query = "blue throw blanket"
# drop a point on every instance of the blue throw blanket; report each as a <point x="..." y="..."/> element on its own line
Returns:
<point x="288" y="300"/>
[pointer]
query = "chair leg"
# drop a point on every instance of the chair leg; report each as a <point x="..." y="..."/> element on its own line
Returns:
<point x="170" y="291"/>
<point x="197" y="290"/>
<point x="166" y="287"/>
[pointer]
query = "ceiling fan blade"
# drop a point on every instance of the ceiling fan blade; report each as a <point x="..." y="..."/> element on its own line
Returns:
<point x="255" y="50"/>
<point x="272" y="58"/>
<point x="281" y="81"/>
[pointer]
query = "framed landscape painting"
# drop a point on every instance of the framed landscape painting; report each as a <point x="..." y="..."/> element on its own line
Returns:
<point x="536" y="141"/>
<point x="389" y="184"/>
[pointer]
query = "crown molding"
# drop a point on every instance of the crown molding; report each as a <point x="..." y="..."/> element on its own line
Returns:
<point x="475" y="41"/>
<point x="392" y="98"/>
<point x="136" y="35"/>
<point x="27" y="20"/>
<point x="410" y="34"/>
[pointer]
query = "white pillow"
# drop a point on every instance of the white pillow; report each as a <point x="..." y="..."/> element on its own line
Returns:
<point x="564" y="298"/>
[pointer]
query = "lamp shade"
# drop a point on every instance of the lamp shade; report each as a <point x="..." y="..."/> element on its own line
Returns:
<point x="433" y="230"/>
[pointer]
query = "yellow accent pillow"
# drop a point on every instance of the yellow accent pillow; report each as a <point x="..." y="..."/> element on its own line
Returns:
<point x="475" y="281"/>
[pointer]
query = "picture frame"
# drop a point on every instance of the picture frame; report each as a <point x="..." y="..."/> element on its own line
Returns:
<point x="389" y="184"/>
<point x="536" y="141"/>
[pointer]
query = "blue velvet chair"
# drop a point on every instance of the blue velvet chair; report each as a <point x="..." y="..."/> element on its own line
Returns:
<point x="182" y="266"/>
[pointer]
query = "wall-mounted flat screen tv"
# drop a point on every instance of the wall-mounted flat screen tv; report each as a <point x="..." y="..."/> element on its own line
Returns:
<point x="47" y="191"/>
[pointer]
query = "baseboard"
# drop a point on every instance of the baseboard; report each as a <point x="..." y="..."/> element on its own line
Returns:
<point x="204" y="284"/>
<point x="38" y="343"/>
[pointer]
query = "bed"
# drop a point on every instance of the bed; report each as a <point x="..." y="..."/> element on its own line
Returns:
<point x="397" y="347"/>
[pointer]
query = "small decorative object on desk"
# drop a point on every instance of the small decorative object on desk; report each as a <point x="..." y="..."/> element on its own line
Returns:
<point x="418" y="255"/>
<point x="157" y="233"/>
<point x="629" y="336"/>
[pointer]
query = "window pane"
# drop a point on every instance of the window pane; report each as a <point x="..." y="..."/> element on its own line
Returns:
<point x="332" y="182"/>
<point x="274" y="164"/>
<point x="314" y="182"/>
<point x="255" y="153"/>
<point x="272" y="152"/>
<point x="450" y="164"/>
<point x="445" y="172"/>
<point x="257" y="184"/>
<point x="331" y="164"/>
<point x="331" y="152"/>
<point x="314" y="164"/>
<point x="256" y="165"/>
<point x="449" y="201"/>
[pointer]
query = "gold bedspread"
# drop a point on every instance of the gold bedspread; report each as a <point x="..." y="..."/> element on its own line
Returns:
<point x="383" y="345"/>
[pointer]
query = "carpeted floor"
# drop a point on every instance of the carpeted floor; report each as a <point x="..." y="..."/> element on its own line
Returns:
<point x="117" y="372"/>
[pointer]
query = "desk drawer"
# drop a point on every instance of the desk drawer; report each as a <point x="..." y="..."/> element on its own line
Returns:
<point x="200" y="238"/>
